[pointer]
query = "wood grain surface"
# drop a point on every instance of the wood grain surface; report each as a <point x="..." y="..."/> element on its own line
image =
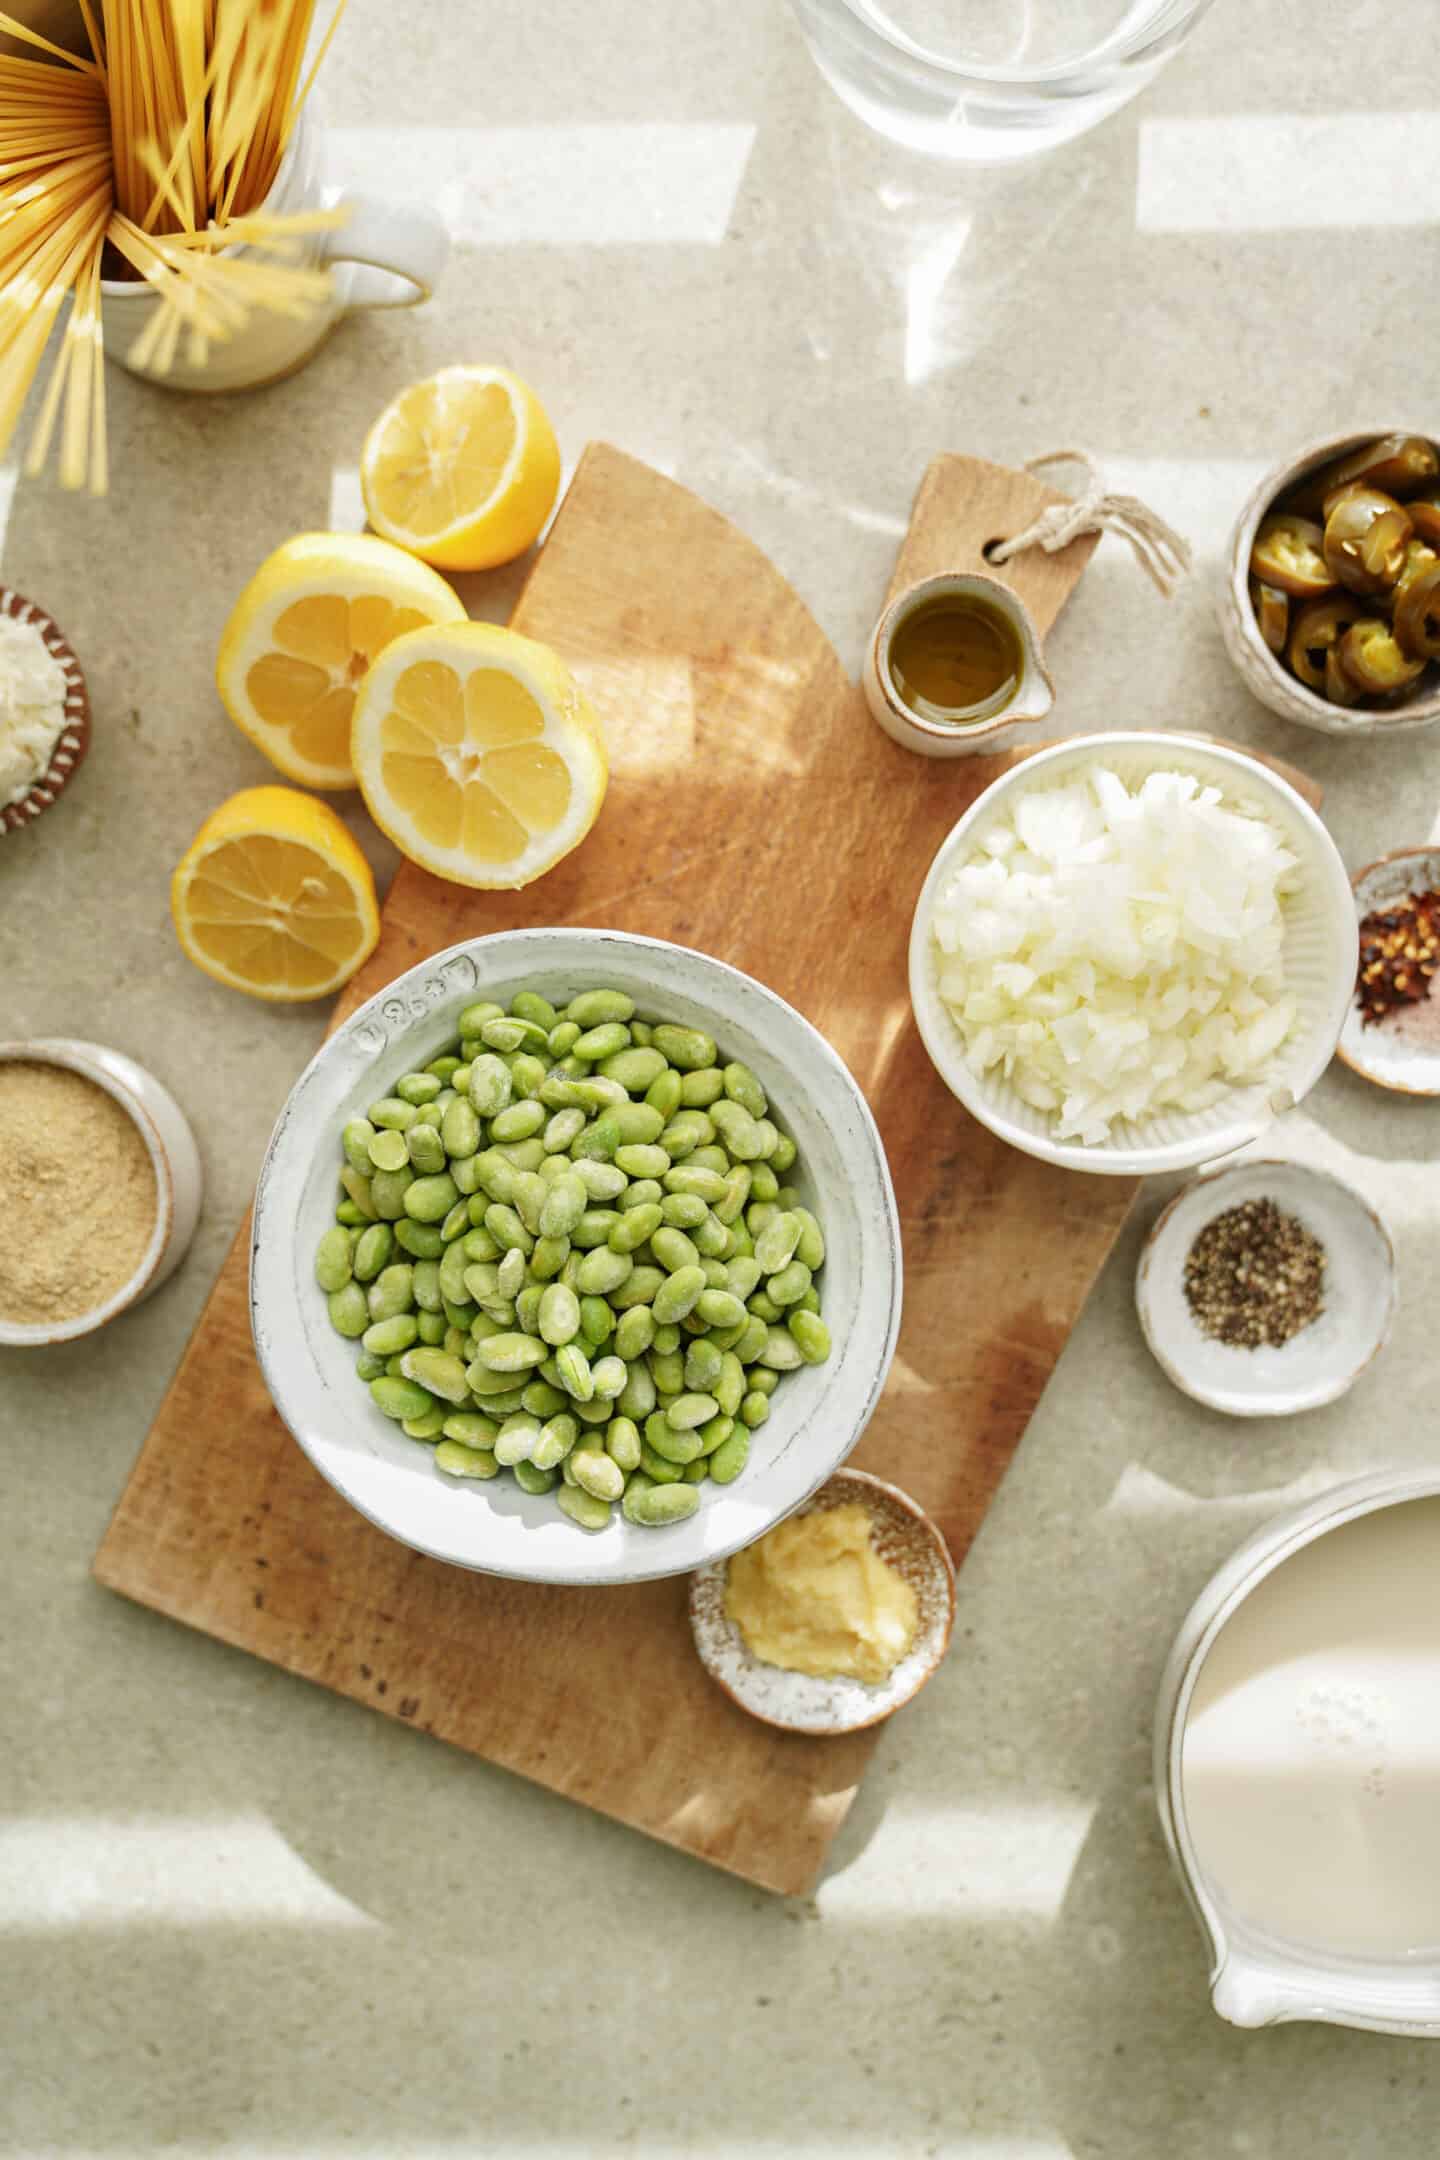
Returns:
<point x="756" y="811"/>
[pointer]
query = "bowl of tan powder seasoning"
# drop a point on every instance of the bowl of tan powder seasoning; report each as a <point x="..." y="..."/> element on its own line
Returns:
<point x="102" y="1183"/>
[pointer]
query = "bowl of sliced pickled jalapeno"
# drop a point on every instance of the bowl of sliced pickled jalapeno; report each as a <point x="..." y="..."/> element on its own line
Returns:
<point x="575" y="1258"/>
<point x="1331" y="604"/>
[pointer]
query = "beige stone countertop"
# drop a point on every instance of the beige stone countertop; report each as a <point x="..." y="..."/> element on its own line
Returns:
<point x="240" y="1916"/>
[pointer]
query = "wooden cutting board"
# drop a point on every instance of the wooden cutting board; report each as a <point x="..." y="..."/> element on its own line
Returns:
<point x="755" y="811"/>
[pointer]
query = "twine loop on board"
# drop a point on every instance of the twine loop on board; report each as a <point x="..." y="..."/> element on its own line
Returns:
<point x="1160" y="551"/>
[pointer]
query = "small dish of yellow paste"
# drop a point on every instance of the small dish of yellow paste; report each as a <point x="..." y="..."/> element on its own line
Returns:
<point x="836" y="1616"/>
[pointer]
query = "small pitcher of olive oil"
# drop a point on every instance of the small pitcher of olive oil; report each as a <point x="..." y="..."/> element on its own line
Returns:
<point x="955" y="666"/>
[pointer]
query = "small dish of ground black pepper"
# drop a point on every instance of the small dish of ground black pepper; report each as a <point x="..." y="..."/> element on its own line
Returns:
<point x="1266" y="1289"/>
<point x="1392" y="1034"/>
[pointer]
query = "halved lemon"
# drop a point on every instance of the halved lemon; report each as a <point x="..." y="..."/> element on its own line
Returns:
<point x="462" y="468"/>
<point x="303" y="632"/>
<point x="272" y="896"/>
<point x="477" y="754"/>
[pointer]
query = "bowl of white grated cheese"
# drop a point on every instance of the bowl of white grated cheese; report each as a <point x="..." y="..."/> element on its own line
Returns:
<point x="44" y="711"/>
<point x="1133" y="952"/>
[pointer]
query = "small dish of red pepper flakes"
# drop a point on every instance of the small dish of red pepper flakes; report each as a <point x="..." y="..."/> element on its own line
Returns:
<point x="1399" y="955"/>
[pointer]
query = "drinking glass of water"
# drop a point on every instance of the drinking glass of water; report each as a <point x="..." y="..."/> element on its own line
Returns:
<point x="989" y="81"/>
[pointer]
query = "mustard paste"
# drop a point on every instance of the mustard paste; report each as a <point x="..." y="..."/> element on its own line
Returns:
<point x="813" y="1596"/>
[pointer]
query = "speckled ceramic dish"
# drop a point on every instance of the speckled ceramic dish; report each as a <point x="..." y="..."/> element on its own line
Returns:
<point x="1401" y="1052"/>
<point x="1323" y="1360"/>
<point x="174" y="1157"/>
<point x="903" y="1535"/>
<point x="1267" y="677"/>
<point x="74" y="737"/>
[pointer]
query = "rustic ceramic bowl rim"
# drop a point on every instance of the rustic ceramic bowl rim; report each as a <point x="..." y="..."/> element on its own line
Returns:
<point x="1281" y="1406"/>
<point x="75" y="1056"/>
<point x="1311" y="710"/>
<point x="926" y="1529"/>
<point x="932" y="1020"/>
<point x="403" y="1006"/>
<point x="73" y="741"/>
<point x="1367" y="1072"/>
<point x="1267" y="1549"/>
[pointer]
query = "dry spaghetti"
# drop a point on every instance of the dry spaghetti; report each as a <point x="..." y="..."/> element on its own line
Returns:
<point x="151" y="154"/>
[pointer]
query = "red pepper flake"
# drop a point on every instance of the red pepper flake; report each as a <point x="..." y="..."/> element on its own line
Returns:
<point x="1399" y="955"/>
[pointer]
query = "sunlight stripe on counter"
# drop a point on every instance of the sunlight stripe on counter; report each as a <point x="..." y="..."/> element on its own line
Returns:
<point x="648" y="183"/>
<point x="1012" y="1857"/>
<point x="105" y="1871"/>
<point x="1288" y="172"/>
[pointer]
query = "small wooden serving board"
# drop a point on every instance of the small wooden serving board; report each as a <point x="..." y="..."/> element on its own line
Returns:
<point x="757" y="812"/>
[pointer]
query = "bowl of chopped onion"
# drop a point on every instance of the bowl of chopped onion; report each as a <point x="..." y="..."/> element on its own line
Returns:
<point x="1133" y="952"/>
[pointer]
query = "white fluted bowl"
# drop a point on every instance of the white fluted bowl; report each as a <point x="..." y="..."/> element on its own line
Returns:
<point x="817" y="1413"/>
<point x="1320" y="957"/>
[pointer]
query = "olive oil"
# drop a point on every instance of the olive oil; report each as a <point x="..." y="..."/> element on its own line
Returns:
<point x="957" y="658"/>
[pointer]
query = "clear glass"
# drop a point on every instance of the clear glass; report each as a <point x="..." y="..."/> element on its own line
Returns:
<point x="989" y="81"/>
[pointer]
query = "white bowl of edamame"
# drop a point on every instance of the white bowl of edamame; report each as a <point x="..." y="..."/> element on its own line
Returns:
<point x="648" y="1424"/>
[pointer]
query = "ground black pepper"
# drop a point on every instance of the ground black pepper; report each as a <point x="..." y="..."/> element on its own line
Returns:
<point x="1255" y="1276"/>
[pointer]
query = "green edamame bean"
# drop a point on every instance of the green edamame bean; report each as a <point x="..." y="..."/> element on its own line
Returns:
<point x="349" y="1313"/>
<point x="673" y="1250"/>
<point x="509" y="1033"/>
<point x="430" y="1199"/>
<point x="688" y="1049"/>
<point x="811" y="1246"/>
<point x="355" y="1138"/>
<point x="422" y="1240"/>
<point x="640" y="1482"/>
<point x="466" y="1172"/>
<point x="761" y="1380"/>
<point x="401" y="1399"/>
<point x="678" y="1294"/>
<point x="686" y="1131"/>
<point x="699" y="1090"/>
<point x="509" y="1276"/>
<point x="593" y="1008"/>
<point x="711" y="1238"/>
<point x="622" y="1443"/>
<point x="716" y="1431"/>
<point x="597" y="1321"/>
<point x="809" y="1301"/>
<point x="471" y="1428"/>
<point x="473" y="1017"/>
<point x="453" y="1267"/>
<point x="602" y="1041"/>
<point x="565" y="1202"/>
<point x="781" y="1352"/>
<point x="558" y="1092"/>
<point x="533" y="1481"/>
<point x="513" y="1353"/>
<point x="491" y="1088"/>
<point x="594" y="1412"/>
<point x="598" y="1142"/>
<point x="572" y="1369"/>
<point x="333" y="1257"/>
<point x="782" y="1155"/>
<point x="372" y="1252"/>
<point x="742" y="1245"/>
<point x="663" y="1093"/>
<point x="730" y="1458"/>
<point x="516" y="1438"/>
<point x="457" y="1460"/>
<point x="638" y="1397"/>
<point x="741" y="1133"/>
<point x="657" y="1468"/>
<point x="664" y="1504"/>
<point x="542" y="1400"/>
<point x="729" y="1386"/>
<point x="433" y="1329"/>
<point x="634" y="1069"/>
<point x="631" y="1230"/>
<point x="670" y="1443"/>
<point x="584" y="1508"/>
<point x="603" y="1270"/>
<point x="390" y="1111"/>
<point x="530" y="1195"/>
<point x="753" y="1341"/>
<point x="640" y="1126"/>
<point x="689" y="1411"/>
<point x="703" y="1365"/>
<point x="386" y="1338"/>
<point x="388" y="1150"/>
<point x="642" y="1032"/>
<point x="368" y="1367"/>
<point x="683" y="1210"/>
<point x="348" y="1216"/>
<point x="426" y="1150"/>
<point x="754" y="1410"/>
<point x="527" y="1307"/>
<point x="563" y="1037"/>
<point x="812" y="1336"/>
<point x="667" y="1369"/>
<point x="519" y="1121"/>
<point x="763" y="1307"/>
<point x="634" y="1333"/>
<point x="695" y="1473"/>
<point x="738" y="1186"/>
<point x="505" y="1226"/>
<point x="685" y="1177"/>
<point x="764" y="1186"/>
<point x="388" y="1189"/>
<point x="742" y="1276"/>
<point x="444" y="1068"/>
<point x="776" y="1242"/>
<point x="529" y="1005"/>
<point x="562" y="1127"/>
<point x="602" y="1181"/>
<point x="598" y="1473"/>
<point x="549" y="1257"/>
<point x="392" y="1291"/>
<point x="790" y="1285"/>
<point x="498" y="1176"/>
<point x="741" y="1086"/>
<point x="443" y="1376"/>
<point x="609" y="1375"/>
<point x="594" y="1228"/>
<point x="557" y="1437"/>
<point x="726" y="1338"/>
<point x="460" y="1129"/>
<point x="711" y="1158"/>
